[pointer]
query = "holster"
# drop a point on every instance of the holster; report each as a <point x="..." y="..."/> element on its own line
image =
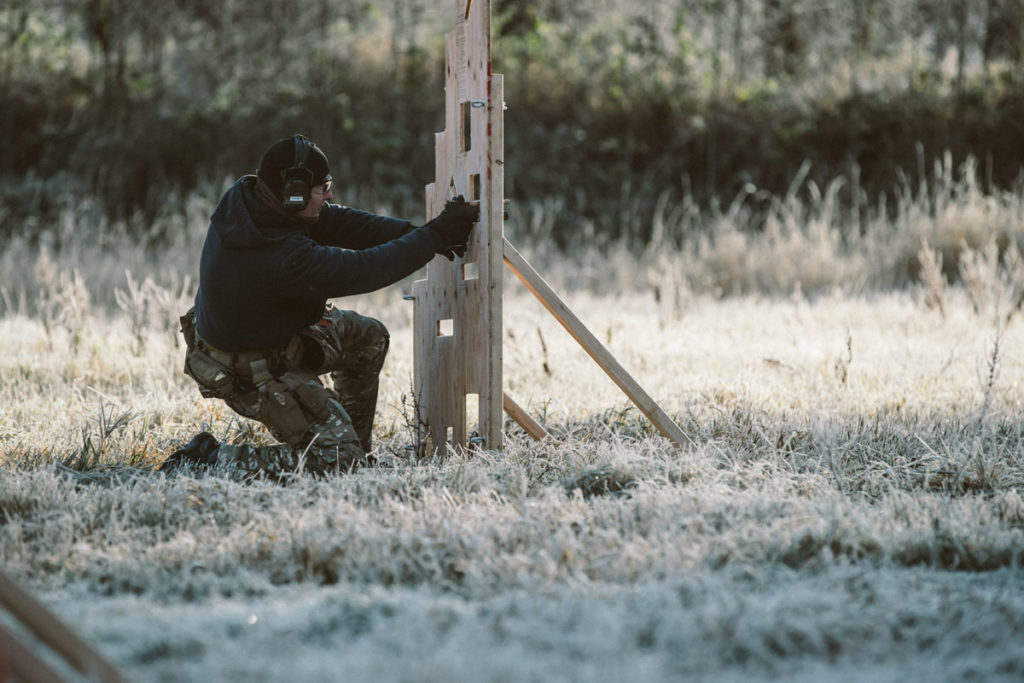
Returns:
<point x="214" y="379"/>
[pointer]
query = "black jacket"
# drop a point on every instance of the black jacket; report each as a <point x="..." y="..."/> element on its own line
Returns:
<point x="264" y="276"/>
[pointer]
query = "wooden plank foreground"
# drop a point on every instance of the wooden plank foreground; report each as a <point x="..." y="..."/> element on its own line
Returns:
<point x="24" y="664"/>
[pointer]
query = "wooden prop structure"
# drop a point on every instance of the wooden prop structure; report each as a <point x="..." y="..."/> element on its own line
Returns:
<point x="19" y="663"/>
<point x="458" y="316"/>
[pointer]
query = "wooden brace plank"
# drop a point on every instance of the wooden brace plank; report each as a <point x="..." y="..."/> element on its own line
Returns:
<point x="51" y="630"/>
<point x="523" y="418"/>
<point x="23" y="665"/>
<point x="536" y="284"/>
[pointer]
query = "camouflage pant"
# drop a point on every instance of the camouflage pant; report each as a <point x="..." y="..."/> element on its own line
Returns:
<point x="325" y="429"/>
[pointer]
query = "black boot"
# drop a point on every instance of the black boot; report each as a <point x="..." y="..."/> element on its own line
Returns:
<point x="199" y="452"/>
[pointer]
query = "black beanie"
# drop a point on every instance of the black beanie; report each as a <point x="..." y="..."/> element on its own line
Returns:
<point x="281" y="156"/>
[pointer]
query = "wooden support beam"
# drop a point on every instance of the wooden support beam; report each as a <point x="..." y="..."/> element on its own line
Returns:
<point x="22" y="664"/>
<point x="536" y="284"/>
<point x="46" y="626"/>
<point x="523" y="418"/>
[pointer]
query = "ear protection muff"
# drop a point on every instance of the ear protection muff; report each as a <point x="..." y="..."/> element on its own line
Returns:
<point x="297" y="180"/>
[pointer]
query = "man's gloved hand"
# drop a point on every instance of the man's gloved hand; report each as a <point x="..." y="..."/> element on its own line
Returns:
<point x="454" y="224"/>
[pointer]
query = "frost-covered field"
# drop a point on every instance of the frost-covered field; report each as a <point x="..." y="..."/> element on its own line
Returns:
<point x="848" y="508"/>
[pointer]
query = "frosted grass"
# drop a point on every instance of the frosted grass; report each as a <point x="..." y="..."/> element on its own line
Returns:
<point x="848" y="505"/>
<point x="848" y="508"/>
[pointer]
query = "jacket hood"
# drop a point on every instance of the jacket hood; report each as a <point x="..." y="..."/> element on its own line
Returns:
<point x="244" y="221"/>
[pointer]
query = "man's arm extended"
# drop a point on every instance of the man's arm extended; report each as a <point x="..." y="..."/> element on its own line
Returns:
<point x="343" y="226"/>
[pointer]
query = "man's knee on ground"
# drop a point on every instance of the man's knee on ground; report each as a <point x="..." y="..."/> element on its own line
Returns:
<point x="333" y="442"/>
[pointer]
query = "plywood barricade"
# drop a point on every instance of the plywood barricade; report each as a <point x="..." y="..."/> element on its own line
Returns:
<point x="457" y="353"/>
<point x="21" y="663"/>
<point x="458" y="309"/>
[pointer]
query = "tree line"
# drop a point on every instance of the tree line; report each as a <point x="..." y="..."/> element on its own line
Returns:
<point x="611" y="103"/>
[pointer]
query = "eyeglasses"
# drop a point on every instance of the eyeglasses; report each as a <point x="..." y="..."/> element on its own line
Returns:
<point x="325" y="188"/>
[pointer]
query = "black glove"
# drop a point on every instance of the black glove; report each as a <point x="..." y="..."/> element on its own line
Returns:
<point x="454" y="225"/>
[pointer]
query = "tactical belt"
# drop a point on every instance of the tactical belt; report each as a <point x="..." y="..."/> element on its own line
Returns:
<point x="254" y="366"/>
